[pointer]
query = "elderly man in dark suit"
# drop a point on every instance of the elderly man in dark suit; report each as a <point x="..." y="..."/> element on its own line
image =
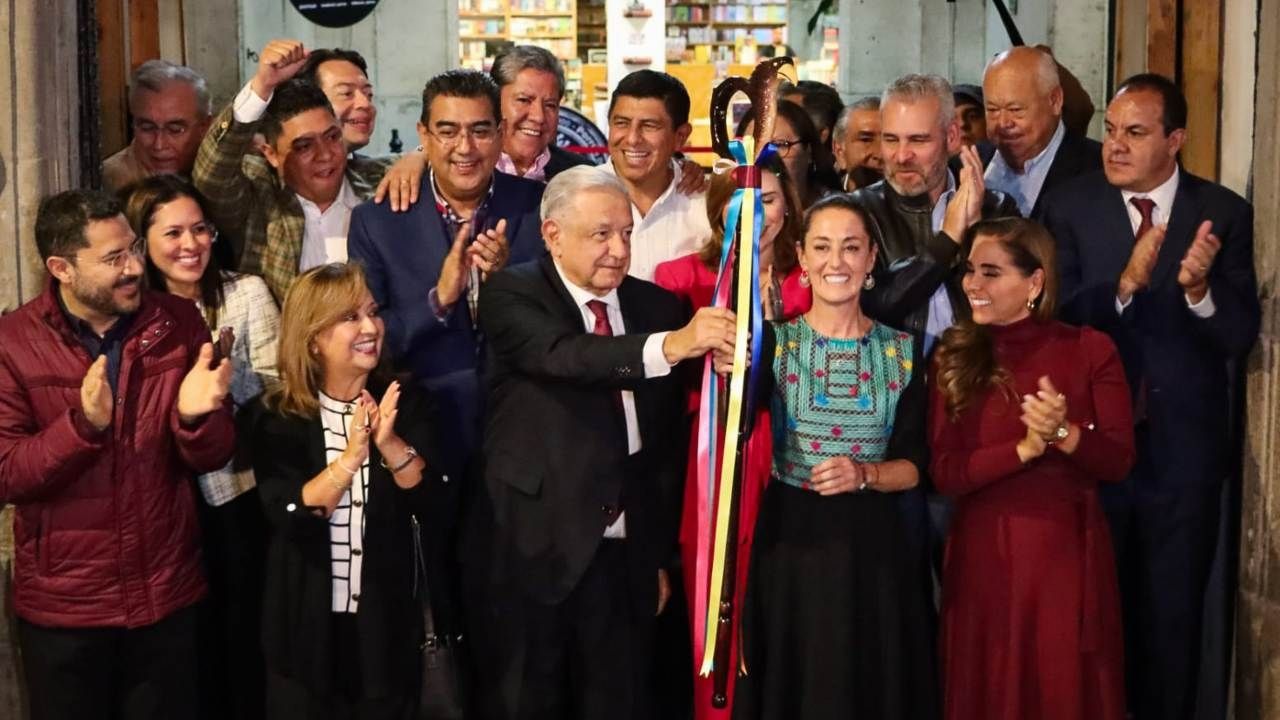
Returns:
<point x="425" y="265"/>
<point x="584" y="452"/>
<point x="1035" y="151"/>
<point x="1162" y="261"/>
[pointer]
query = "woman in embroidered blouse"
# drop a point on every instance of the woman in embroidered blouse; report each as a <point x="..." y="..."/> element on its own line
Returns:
<point x="836" y="622"/>
<point x="344" y="467"/>
<point x="692" y="277"/>
<point x="1026" y="417"/>
<point x="169" y="215"/>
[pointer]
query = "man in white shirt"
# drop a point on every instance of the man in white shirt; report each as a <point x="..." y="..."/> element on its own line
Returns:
<point x="1024" y="97"/>
<point x="1162" y="261"/>
<point x="648" y="123"/>
<point x="289" y="209"/>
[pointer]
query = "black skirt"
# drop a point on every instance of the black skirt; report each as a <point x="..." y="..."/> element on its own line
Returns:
<point x="836" y="623"/>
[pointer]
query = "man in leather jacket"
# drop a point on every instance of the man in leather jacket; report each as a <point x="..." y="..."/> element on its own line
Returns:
<point x="919" y="212"/>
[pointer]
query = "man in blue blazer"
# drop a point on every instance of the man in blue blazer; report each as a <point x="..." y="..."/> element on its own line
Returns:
<point x="425" y="265"/>
<point x="1163" y="262"/>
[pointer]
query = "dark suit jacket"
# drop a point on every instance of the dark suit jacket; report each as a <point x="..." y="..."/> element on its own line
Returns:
<point x="556" y="469"/>
<point x="1181" y="358"/>
<point x="402" y="254"/>
<point x="1077" y="155"/>
<point x="562" y="160"/>
<point x="287" y="452"/>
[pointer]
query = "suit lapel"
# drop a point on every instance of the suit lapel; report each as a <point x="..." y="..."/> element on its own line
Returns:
<point x="569" y="308"/>
<point x="1182" y="229"/>
<point x="285" y="227"/>
<point x="1116" y="242"/>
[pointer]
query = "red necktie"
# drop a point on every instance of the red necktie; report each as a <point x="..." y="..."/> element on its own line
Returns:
<point x="1146" y="206"/>
<point x="603" y="328"/>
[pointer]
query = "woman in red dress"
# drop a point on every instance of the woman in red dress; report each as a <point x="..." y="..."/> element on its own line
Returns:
<point x="692" y="277"/>
<point x="1027" y="416"/>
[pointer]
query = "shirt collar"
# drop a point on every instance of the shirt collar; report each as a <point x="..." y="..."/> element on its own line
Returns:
<point x="666" y="194"/>
<point x="1162" y="194"/>
<point x="581" y="296"/>
<point x="537" y="171"/>
<point x="83" y="329"/>
<point x="442" y="205"/>
<point x="1049" y="150"/>
<point x="347" y="199"/>
<point x="945" y="197"/>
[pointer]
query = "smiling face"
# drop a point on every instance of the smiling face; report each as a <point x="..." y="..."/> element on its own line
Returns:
<point x="1021" y="114"/>
<point x="102" y="281"/>
<point x="915" y="145"/>
<point x="351" y="94"/>
<point x="531" y="110"/>
<point x="643" y="139"/>
<point x="998" y="290"/>
<point x="309" y="155"/>
<point x="462" y="144"/>
<point x="591" y="240"/>
<point x="167" y="128"/>
<point x="774" y="200"/>
<point x="1137" y="155"/>
<point x="179" y="241"/>
<point x="351" y="345"/>
<point x="837" y="253"/>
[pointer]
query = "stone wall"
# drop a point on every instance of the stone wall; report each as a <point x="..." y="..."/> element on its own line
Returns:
<point x="1258" y="627"/>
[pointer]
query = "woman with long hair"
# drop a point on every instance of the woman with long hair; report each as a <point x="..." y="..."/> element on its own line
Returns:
<point x="169" y="215"/>
<point x="346" y="467"/>
<point x="693" y="278"/>
<point x="836" y="623"/>
<point x="1027" y="416"/>
<point x="809" y="162"/>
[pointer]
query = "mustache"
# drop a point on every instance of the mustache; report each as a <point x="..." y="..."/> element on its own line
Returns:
<point x="128" y="282"/>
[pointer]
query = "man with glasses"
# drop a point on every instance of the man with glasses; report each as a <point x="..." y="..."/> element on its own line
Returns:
<point x="171" y="111"/>
<point x="111" y="402"/>
<point x="425" y="265"/>
<point x="287" y="210"/>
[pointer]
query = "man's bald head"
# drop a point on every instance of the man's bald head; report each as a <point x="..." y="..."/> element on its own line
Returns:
<point x="1024" y="103"/>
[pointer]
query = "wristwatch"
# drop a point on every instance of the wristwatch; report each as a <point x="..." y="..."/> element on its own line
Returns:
<point x="1059" y="435"/>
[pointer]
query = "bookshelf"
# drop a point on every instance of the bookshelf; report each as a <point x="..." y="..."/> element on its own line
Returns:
<point x="723" y="30"/>
<point x="485" y="25"/>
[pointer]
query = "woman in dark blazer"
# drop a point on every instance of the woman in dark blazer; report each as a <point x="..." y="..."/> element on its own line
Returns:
<point x="345" y="464"/>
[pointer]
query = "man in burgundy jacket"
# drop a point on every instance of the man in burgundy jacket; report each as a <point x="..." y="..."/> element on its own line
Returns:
<point x="110" y="403"/>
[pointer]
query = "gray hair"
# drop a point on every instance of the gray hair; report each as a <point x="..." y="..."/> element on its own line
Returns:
<point x="871" y="102"/>
<point x="559" y="193"/>
<point x="1047" y="78"/>
<point x="526" y="57"/>
<point x="913" y="88"/>
<point x="154" y="75"/>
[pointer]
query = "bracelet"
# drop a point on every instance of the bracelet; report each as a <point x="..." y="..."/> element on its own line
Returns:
<point x="409" y="455"/>
<point x="333" y="479"/>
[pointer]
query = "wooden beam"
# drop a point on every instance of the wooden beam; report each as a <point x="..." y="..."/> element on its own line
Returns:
<point x="1201" y="82"/>
<point x="112" y="93"/>
<point x="1162" y="37"/>
<point x="144" y="31"/>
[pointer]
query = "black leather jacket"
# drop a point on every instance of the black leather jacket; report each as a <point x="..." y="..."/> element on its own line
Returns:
<point x="912" y="259"/>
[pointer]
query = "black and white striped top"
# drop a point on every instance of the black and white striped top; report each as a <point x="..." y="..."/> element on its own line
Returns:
<point x="346" y="524"/>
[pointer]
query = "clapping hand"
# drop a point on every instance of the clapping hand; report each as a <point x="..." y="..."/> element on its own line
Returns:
<point x="1193" y="274"/>
<point x="1042" y="414"/>
<point x="205" y="386"/>
<point x="382" y="416"/>
<point x="965" y="207"/>
<point x="490" y="250"/>
<point x="1142" y="261"/>
<point x="95" y="394"/>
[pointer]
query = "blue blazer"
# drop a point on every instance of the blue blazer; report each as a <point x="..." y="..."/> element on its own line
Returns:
<point x="1183" y="359"/>
<point x="402" y="254"/>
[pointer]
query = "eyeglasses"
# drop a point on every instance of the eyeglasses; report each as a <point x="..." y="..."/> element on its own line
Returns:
<point x="480" y="134"/>
<point x="174" y="130"/>
<point x="119" y="259"/>
<point x="785" y="146"/>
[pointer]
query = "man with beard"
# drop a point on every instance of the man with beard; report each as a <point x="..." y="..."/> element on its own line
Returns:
<point x="287" y="210"/>
<point x="111" y="402"/>
<point x="919" y="215"/>
<point x="1034" y="150"/>
<point x="170" y="108"/>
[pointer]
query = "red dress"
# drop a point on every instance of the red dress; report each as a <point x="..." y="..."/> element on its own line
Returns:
<point x="690" y="278"/>
<point x="1030" y="605"/>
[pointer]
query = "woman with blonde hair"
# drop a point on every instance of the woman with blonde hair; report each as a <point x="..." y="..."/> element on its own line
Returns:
<point x="1027" y="416"/>
<point x="345" y="463"/>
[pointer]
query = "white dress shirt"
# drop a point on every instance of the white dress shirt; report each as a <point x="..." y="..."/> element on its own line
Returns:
<point x="324" y="237"/>
<point x="941" y="316"/>
<point x="655" y="365"/>
<point x="1163" y="196"/>
<point x="675" y="226"/>
<point x="1024" y="187"/>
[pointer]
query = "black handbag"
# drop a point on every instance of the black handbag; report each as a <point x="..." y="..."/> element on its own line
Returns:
<point x="444" y="689"/>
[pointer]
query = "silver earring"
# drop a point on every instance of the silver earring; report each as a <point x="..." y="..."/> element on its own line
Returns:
<point x="804" y="278"/>
<point x="869" y="282"/>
